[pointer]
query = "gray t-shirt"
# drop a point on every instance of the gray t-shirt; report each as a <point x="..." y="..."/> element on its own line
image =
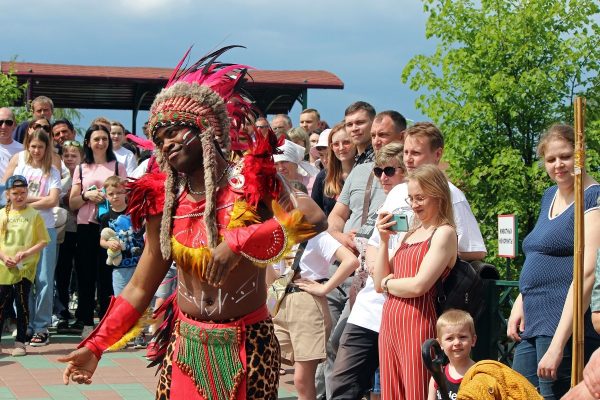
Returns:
<point x="353" y="195"/>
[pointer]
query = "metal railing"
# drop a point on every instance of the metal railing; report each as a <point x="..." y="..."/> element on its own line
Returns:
<point x="492" y="343"/>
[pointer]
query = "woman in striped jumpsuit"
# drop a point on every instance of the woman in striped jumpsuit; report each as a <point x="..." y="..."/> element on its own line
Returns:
<point x="426" y="252"/>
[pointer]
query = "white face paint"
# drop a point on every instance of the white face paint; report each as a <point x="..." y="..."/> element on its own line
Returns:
<point x="189" y="137"/>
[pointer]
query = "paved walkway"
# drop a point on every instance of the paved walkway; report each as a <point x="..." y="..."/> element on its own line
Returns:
<point x="120" y="375"/>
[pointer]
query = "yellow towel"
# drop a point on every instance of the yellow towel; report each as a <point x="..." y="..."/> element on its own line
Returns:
<point x="495" y="381"/>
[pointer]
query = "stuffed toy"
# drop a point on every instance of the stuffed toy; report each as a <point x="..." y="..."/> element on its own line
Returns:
<point x="114" y="257"/>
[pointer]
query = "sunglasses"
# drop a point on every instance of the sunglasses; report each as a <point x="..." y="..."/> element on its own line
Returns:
<point x="47" y="128"/>
<point x="388" y="171"/>
<point x="7" y="122"/>
<point x="73" y="143"/>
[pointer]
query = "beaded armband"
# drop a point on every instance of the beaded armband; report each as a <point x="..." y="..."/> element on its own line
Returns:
<point x="268" y="242"/>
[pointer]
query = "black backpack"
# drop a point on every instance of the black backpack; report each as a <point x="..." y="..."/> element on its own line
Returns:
<point x="463" y="287"/>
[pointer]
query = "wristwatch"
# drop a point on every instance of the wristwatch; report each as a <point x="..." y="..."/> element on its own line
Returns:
<point x="83" y="196"/>
<point x="384" y="284"/>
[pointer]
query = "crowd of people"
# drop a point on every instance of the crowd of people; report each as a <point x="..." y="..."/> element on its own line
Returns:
<point x="370" y="219"/>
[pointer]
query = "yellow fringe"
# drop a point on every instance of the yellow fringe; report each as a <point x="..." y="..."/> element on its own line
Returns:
<point x="296" y="231"/>
<point x="144" y="321"/>
<point x="193" y="260"/>
<point x="242" y="214"/>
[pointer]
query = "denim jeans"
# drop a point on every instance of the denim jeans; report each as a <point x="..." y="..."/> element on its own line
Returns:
<point x="41" y="297"/>
<point x="528" y="354"/>
<point x="120" y="278"/>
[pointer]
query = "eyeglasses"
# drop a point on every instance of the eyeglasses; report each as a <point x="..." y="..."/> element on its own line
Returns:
<point x="262" y="126"/>
<point x="44" y="127"/>
<point x="418" y="200"/>
<point x="73" y="143"/>
<point x="7" y="122"/>
<point x="388" y="171"/>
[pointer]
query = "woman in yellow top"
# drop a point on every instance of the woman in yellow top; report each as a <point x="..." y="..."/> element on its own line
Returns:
<point x="23" y="235"/>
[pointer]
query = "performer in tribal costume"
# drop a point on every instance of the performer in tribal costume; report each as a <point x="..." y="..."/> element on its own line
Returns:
<point x="221" y="223"/>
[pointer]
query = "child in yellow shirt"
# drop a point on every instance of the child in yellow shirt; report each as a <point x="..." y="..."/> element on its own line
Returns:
<point x="23" y="235"/>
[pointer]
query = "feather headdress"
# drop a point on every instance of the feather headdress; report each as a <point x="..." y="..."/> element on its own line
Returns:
<point x="205" y="96"/>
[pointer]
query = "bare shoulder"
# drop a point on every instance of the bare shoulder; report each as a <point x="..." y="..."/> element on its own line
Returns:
<point x="444" y="233"/>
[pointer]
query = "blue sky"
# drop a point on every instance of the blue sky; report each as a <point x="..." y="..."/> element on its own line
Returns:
<point x="367" y="46"/>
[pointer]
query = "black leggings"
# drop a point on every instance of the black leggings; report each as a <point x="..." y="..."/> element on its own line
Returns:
<point x="92" y="274"/>
<point x="20" y="292"/>
<point x="64" y="267"/>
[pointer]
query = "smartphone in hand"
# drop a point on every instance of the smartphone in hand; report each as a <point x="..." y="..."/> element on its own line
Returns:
<point x="401" y="223"/>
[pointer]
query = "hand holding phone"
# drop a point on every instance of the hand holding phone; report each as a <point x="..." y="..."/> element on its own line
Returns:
<point x="401" y="223"/>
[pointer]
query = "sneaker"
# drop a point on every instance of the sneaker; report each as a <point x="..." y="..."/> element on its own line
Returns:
<point x="140" y="342"/>
<point x="19" y="350"/>
<point x="85" y="332"/>
<point x="65" y="314"/>
<point x="40" y="339"/>
<point x="76" y="327"/>
<point x="62" y="327"/>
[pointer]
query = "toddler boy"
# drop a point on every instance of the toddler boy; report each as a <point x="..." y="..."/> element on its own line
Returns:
<point x="456" y="335"/>
<point x="129" y="242"/>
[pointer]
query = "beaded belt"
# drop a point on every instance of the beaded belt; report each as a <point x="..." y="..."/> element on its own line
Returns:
<point x="213" y="355"/>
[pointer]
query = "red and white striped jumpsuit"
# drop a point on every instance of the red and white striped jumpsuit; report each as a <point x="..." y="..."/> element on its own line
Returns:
<point x="405" y="324"/>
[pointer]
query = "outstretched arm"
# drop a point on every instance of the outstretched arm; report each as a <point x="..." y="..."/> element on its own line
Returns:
<point x="132" y="302"/>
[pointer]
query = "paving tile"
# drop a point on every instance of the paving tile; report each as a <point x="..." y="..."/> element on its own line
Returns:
<point x="32" y="361"/>
<point x="120" y="375"/>
<point x="64" y="392"/>
<point x="5" y="393"/>
<point x="133" y="391"/>
<point x="28" y="391"/>
<point x="101" y="395"/>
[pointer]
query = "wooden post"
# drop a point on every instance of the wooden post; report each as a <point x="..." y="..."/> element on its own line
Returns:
<point x="578" y="311"/>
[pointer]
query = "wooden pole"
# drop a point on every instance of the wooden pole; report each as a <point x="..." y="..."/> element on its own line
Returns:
<point x="577" y="361"/>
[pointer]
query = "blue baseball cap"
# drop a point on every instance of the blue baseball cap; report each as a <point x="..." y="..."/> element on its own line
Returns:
<point x="16" y="181"/>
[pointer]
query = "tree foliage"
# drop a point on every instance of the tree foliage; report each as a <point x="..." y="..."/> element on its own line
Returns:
<point x="503" y="71"/>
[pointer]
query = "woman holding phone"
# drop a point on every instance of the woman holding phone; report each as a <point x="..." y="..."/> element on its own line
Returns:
<point x="99" y="162"/>
<point x="408" y="277"/>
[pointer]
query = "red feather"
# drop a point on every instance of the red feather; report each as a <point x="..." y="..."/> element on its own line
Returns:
<point x="260" y="174"/>
<point x="146" y="197"/>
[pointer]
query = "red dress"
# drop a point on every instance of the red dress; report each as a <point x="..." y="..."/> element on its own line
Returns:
<point x="405" y="325"/>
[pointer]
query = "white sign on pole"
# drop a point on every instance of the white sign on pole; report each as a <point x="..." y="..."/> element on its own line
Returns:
<point x="507" y="235"/>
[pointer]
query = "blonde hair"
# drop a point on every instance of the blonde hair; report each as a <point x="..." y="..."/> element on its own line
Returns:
<point x="44" y="137"/>
<point x="299" y="134"/>
<point x="434" y="184"/>
<point x="454" y="317"/>
<point x="114" y="181"/>
<point x="4" y="226"/>
<point x="391" y="151"/>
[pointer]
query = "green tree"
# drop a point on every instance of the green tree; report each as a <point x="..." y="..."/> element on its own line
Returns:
<point x="10" y="92"/>
<point x="502" y="73"/>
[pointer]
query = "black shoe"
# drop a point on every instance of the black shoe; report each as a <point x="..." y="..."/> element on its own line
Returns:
<point x="76" y="327"/>
<point x="65" y="314"/>
<point x="63" y="327"/>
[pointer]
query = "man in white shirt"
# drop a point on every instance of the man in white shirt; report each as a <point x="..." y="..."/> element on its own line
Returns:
<point x="346" y="218"/>
<point x="8" y="146"/>
<point x="124" y="156"/>
<point x="357" y="360"/>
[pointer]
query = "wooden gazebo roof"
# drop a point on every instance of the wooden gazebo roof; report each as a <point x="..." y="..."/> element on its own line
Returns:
<point x="134" y="88"/>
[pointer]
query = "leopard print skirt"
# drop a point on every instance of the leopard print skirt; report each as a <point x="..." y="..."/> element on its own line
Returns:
<point x="262" y="357"/>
